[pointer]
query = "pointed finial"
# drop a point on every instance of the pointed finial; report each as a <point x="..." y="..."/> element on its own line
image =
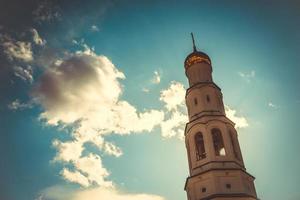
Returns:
<point x="194" y="46"/>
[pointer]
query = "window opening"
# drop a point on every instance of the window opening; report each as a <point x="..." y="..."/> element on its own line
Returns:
<point x="228" y="186"/>
<point x="218" y="142"/>
<point x="200" y="149"/>
<point x="195" y="101"/>
<point x="234" y="145"/>
<point x="207" y="98"/>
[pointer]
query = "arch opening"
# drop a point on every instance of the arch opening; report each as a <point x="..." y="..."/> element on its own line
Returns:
<point x="218" y="142"/>
<point x="234" y="145"/>
<point x="200" y="149"/>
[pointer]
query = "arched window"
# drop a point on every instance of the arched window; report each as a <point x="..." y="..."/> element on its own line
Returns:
<point x="234" y="145"/>
<point x="200" y="150"/>
<point x="218" y="142"/>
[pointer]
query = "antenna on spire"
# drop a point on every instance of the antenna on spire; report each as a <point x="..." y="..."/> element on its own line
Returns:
<point x="194" y="46"/>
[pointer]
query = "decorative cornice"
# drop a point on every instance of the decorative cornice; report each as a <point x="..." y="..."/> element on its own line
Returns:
<point x="217" y="169"/>
<point x="206" y="115"/>
<point x="202" y="84"/>
<point x="226" y="161"/>
<point x="229" y="196"/>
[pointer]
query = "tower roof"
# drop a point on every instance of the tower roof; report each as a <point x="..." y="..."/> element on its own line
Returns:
<point x="196" y="56"/>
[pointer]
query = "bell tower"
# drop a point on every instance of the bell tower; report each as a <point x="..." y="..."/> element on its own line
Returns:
<point x="217" y="170"/>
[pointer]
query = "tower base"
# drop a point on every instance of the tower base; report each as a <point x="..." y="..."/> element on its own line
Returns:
<point x="221" y="184"/>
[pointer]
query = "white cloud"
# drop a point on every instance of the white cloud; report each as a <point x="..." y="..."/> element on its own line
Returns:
<point x="81" y="85"/>
<point x="272" y="105"/>
<point x="56" y="192"/>
<point x="174" y="125"/>
<point x="112" y="149"/>
<point x="18" y="105"/>
<point x="59" y="192"/>
<point x="36" y="37"/>
<point x="18" y="50"/>
<point x="247" y="76"/>
<point x="20" y="53"/>
<point x="153" y="81"/>
<point x="84" y="89"/>
<point x="240" y="122"/>
<point x="146" y="90"/>
<point x="112" y="194"/>
<point x="175" y="115"/>
<point x="25" y="73"/>
<point x="75" y="177"/>
<point x="128" y="120"/>
<point x="91" y="166"/>
<point x="94" y="28"/>
<point x="156" y="78"/>
<point x="88" y="170"/>
<point x="68" y="151"/>
<point x="174" y="96"/>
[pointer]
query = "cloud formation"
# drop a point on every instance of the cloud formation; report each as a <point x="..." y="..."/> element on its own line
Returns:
<point x="156" y="78"/>
<point x="24" y="73"/>
<point x="174" y="96"/>
<point x="111" y="194"/>
<point x="89" y="170"/>
<point x="174" y="125"/>
<point x="18" y="50"/>
<point x="59" y="192"/>
<point x="272" y="105"/>
<point x="176" y="115"/>
<point x="240" y="122"/>
<point x="94" y="28"/>
<point x="83" y="89"/>
<point x="247" y="76"/>
<point x="18" y="105"/>
<point x="36" y="37"/>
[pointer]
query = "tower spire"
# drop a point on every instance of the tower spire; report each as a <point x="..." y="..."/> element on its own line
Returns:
<point x="194" y="46"/>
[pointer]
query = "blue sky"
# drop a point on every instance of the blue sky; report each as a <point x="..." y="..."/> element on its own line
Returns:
<point x="63" y="65"/>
